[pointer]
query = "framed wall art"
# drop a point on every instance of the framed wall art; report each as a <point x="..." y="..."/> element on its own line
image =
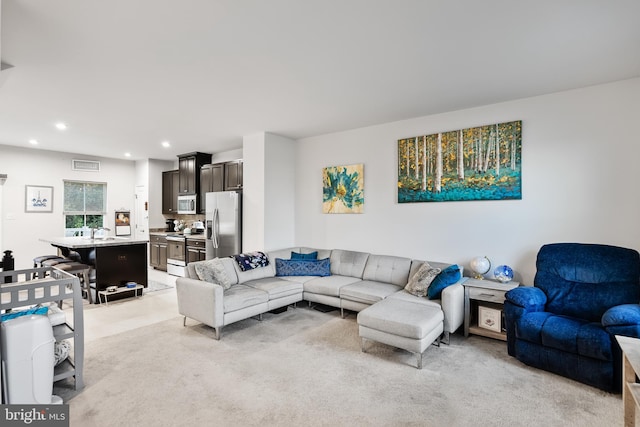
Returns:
<point x="481" y="163"/>
<point x="123" y="223"/>
<point x="343" y="189"/>
<point x="38" y="198"/>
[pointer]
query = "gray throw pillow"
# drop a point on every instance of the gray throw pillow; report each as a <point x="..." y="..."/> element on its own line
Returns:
<point x="418" y="284"/>
<point x="212" y="271"/>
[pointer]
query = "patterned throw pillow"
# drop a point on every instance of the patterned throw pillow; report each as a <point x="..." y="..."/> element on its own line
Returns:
<point x="418" y="284"/>
<point x="61" y="351"/>
<point x="303" y="267"/>
<point x="212" y="271"/>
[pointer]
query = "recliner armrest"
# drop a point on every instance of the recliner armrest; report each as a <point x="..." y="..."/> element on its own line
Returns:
<point x="527" y="297"/>
<point x="622" y="320"/>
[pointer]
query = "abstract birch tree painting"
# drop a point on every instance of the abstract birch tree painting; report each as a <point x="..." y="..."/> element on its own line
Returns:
<point x="481" y="163"/>
<point x="343" y="189"/>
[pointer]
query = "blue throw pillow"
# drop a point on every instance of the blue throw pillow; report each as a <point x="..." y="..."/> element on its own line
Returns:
<point x="303" y="267"/>
<point x="447" y="277"/>
<point x="311" y="255"/>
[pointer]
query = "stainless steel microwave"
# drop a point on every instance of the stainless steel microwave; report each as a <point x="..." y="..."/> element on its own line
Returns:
<point x="187" y="204"/>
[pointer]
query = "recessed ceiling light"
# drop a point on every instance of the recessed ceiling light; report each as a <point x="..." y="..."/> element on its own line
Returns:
<point x="61" y="126"/>
<point x="127" y="154"/>
<point x="33" y="141"/>
<point x="166" y="144"/>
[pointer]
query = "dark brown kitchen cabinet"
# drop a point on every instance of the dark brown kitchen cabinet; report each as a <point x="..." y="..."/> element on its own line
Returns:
<point x="233" y="175"/>
<point x="211" y="179"/>
<point x="196" y="250"/>
<point x="189" y="171"/>
<point x="170" y="192"/>
<point x="158" y="252"/>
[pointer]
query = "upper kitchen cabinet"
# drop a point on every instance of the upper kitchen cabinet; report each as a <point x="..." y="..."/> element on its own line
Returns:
<point x="211" y="179"/>
<point x="233" y="175"/>
<point x="189" y="167"/>
<point x="170" y="192"/>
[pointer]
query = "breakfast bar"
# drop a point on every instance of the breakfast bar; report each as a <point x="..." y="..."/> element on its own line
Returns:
<point x="116" y="260"/>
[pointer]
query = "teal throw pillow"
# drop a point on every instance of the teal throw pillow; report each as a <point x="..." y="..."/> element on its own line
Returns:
<point x="303" y="267"/>
<point x="447" y="277"/>
<point x="311" y="255"/>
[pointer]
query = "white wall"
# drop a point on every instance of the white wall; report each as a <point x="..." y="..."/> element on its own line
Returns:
<point x="23" y="166"/>
<point x="580" y="152"/>
<point x="156" y="167"/>
<point x="253" y="192"/>
<point x="268" y="189"/>
<point x="279" y="187"/>
<point x="227" y="156"/>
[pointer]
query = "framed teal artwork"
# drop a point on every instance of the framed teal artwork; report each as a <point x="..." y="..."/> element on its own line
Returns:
<point x="480" y="163"/>
<point x="343" y="189"/>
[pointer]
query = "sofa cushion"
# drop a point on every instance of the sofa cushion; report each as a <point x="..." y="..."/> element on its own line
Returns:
<point x="447" y="277"/>
<point x="256" y="273"/>
<point x="348" y="263"/>
<point x="419" y="282"/>
<point x="298" y="255"/>
<point x="229" y="268"/>
<point x="406" y="296"/>
<point x="303" y="267"/>
<point x="368" y="291"/>
<point x="387" y="269"/>
<point x="401" y="318"/>
<point x="565" y="333"/>
<point x="276" y="287"/>
<point x="322" y="253"/>
<point x="329" y="285"/>
<point x="242" y="296"/>
<point x="213" y="271"/>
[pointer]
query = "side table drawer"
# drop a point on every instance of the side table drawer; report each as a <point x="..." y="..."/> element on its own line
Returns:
<point x="490" y="295"/>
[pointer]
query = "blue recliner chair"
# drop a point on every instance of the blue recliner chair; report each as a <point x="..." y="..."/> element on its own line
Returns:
<point x="583" y="295"/>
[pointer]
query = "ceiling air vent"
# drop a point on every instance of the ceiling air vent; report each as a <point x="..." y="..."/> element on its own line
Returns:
<point x="85" y="165"/>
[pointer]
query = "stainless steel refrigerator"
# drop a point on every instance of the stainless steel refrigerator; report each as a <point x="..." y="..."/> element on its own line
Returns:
<point x="223" y="223"/>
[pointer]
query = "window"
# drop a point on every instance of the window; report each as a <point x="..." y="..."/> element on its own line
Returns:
<point x="84" y="206"/>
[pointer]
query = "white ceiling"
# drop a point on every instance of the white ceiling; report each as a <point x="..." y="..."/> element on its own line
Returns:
<point x="125" y="75"/>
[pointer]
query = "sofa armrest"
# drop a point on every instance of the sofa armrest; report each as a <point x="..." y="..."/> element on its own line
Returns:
<point x="452" y="301"/>
<point x="623" y="320"/>
<point x="201" y="301"/>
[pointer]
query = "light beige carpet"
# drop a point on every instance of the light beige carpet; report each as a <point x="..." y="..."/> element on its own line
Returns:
<point x="304" y="367"/>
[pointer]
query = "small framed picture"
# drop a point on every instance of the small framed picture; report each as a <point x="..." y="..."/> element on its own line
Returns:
<point x="123" y="223"/>
<point x="489" y="318"/>
<point x="38" y="198"/>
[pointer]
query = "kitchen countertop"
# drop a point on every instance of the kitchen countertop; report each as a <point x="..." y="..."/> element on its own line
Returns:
<point x="86" y="242"/>
<point x="199" y="236"/>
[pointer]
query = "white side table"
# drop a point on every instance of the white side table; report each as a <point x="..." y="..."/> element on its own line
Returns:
<point x="104" y="295"/>
<point x="488" y="291"/>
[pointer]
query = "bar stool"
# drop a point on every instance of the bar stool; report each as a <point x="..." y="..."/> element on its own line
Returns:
<point x="37" y="261"/>
<point x="82" y="271"/>
<point x="50" y="259"/>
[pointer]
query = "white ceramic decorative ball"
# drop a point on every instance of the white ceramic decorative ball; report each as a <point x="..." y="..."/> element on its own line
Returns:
<point x="480" y="265"/>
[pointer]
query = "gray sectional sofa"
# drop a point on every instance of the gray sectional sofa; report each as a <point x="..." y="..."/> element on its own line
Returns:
<point x="357" y="281"/>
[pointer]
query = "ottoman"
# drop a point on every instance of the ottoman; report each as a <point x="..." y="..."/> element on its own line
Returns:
<point x="402" y="324"/>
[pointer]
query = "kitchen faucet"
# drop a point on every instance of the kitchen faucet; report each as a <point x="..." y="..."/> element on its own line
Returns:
<point x="93" y="231"/>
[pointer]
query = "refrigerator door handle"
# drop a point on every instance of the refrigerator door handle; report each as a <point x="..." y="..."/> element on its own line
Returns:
<point x="216" y="228"/>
